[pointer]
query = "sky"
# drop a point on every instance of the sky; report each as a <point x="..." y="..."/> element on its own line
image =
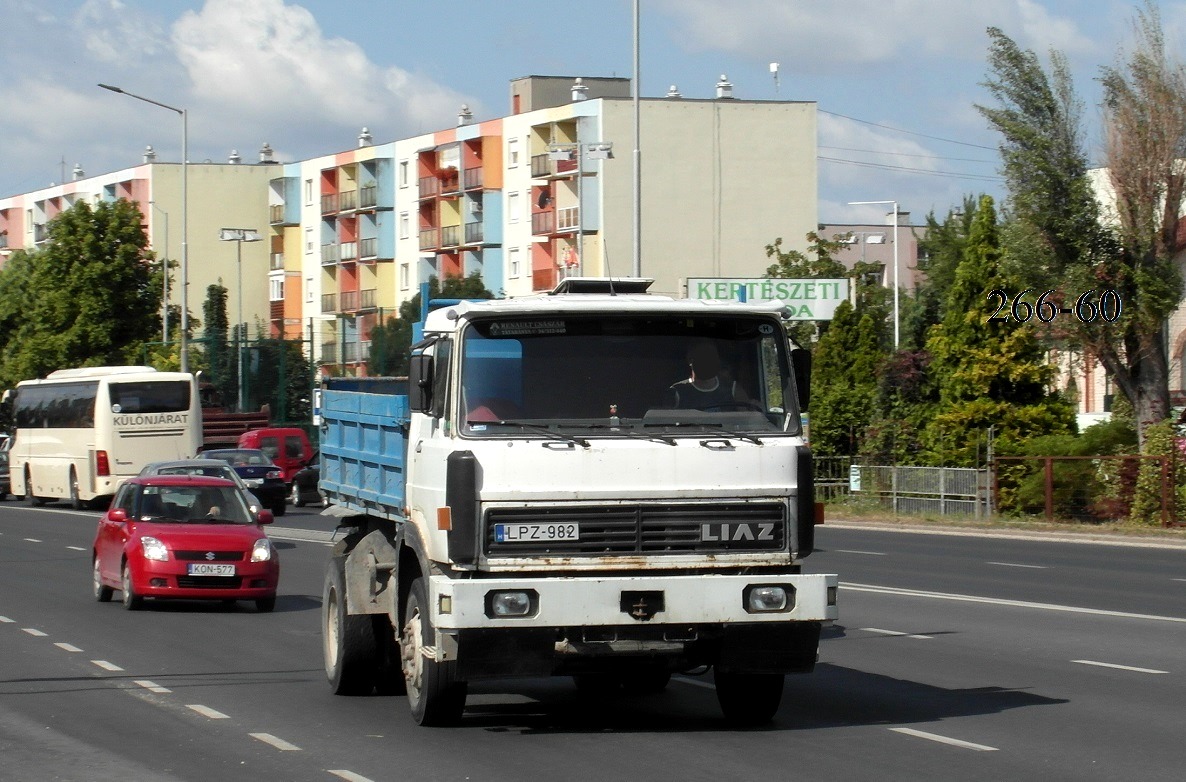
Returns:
<point x="896" y="82"/>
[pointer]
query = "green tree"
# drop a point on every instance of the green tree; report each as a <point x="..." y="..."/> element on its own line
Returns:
<point x="844" y="379"/>
<point x="989" y="373"/>
<point x="1065" y="246"/>
<point x="219" y="360"/>
<point x="819" y="262"/>
<point x="90" y="296"/>
<point x="392" y="341"/>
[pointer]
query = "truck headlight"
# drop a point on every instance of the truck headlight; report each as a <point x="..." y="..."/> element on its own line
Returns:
<point x="768" y="598"/>
<point x="506" y="603"/>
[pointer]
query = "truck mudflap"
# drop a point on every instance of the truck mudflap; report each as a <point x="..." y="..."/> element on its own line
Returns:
<point x="608" y="601"/>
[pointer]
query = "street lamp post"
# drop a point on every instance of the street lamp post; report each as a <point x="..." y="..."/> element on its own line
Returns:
<point x="165" y="275"/>
<point x="238" y="236"/>
<point x="897" y="327"/>
<point x="184" y="215"/>
<point x="596" y="150"/>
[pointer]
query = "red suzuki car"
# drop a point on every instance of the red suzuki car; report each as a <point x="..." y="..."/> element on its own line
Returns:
<point x="184" y="536"/>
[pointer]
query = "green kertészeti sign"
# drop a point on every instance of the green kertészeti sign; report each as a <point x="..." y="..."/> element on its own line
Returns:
<point x="808" y="299"/>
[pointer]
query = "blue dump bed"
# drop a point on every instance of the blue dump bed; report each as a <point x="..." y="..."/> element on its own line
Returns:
<point x="364" y="444"/>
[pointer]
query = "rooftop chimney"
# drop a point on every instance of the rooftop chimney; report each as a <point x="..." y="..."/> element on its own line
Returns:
<point x="579" y="89"/>
<point x="465" y="116"/>
<point x="265" y="153"/>
<point x="149" y="154"/>
<point x="78" y="172"/>
<point x="364" y="138"/>
<point x="673" y="92"/>
<point x="235" y="158"/>
<point x="724" y="88"/>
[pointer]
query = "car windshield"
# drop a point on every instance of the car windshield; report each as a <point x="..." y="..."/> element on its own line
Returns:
<point x="725" y="375"/>
<point x="241" y="457"/>
<point x="192" y="504"/>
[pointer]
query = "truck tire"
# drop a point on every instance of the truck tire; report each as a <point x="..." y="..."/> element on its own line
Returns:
<point x="645" y="680"/>
<point x="749" y="699"/>
<point x="351" y="656"/>
<point x="389" y="672"/>
<point x="435" y="695"/>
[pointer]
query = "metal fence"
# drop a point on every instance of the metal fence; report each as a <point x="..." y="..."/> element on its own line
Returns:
<point x="940" y="491"/>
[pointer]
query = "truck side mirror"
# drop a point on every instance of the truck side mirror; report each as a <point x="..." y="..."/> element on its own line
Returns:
<point x="801" y="366"/>
<point x="420" y="382"/>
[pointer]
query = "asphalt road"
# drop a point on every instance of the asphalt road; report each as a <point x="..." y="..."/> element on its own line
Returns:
<point x="955" y="657"/>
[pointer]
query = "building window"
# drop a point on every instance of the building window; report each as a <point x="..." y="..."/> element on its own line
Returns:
<point x="308" y="241"/>
<point x="403" y="276"/>
<point x="403" y="173"/>
<point x="513" y="261"/>
<point x="308" y="192"/>
<point x="512" y="152"/>
<point x="405" y="224"/>
<point x="276" y="289"/>
<point x="309" y="289"/>
<point x="513" y="207"/>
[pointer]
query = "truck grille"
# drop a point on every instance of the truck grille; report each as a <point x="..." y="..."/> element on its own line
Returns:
<point x="645" y="529"/>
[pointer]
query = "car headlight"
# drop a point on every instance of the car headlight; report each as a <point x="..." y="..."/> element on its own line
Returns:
<point x="154" y="549"/>
<point x="262" y="550"/>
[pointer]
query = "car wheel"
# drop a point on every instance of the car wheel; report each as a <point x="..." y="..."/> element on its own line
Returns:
<point x="102" y="591"/>
<point x="435" y="695"/>
<point x="31" y="498"/>
<point x="265" y="605"/>
<point x="131" y="600"/>
<point x="348" y="642"/>
<point x="295" y="496"/>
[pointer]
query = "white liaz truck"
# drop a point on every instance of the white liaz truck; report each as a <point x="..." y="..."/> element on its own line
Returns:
<point x="544" y="495"/>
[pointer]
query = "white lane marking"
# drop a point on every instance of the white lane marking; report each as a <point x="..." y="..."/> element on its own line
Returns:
<point x="34" y="632"/>
<point x="693" y="682"/>
<point x="206" y="711"/>
<point x="944" y="739"/>
<point x="349" y="776"/>
<point x="1018" y="564"/>
<point x="76" y="548"/>
<point x="6" y="620"/>
<point x="151" y="686"/>
<point x="896" y="633"/>
<point x="884" y="590"/>
<point x="1119" y="667"/>
<point x="106" y="665"/>
<point x="67" y="647"/>
<point x="33" y="540"/>
<point x="1180" y="579"/>
<point x="855" y="551"/>
<point x="278" y="743"/>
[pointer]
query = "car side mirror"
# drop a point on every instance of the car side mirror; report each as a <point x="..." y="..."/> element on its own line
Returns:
<point x="264" y="516"/>
<point x="118" y="515"/>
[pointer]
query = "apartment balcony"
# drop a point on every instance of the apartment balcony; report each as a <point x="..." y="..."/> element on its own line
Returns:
<point x="347" y="200"/>
<point x="278" y="215"/>
<point x="545" y="167"/>
<point x="450" y="235"/>
<point x="368" y="197"/>
<point x="329" y="302"/>
<point x="329" y="203"/>
<point x="329" y="352"/>
<point x="543" y="223"/>
<point x="430" y="186"/>
<point x="348" y="252"/>
<point x="367" y="299"/>
<point x="349" y="301"/>
<point x="276" y="263"/>
<point x="4" y="240"/>
<point x="368" y="249"/>
<point x="568" y="218"/>
<point x="475" y="232"/>
<point x="40" y="232"/>
<point x="472" y="178"/>
<point x="330" y="254"/>
<point x="450" y="181"/>
<point x="430" y="238"/>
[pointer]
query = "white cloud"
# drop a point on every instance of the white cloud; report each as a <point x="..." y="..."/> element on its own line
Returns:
<point x="115" y="34"/>
<point x="266" y="66"/>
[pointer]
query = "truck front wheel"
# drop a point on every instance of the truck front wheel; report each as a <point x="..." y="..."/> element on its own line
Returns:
<point x="749" y="699"/>
<point x="351" y="654"/>
<point x="435" y="695"/>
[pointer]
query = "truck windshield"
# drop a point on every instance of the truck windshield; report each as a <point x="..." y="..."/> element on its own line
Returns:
<point x="627" y="376"/>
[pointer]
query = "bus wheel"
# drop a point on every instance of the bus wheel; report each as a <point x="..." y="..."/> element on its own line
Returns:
<point x="31" y="498"/>
<point x="75" y="502"/>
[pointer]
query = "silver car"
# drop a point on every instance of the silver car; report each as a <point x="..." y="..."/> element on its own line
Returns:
<point x="215" y="468"/>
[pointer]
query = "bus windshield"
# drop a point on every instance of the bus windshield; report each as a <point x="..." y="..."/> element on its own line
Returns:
<point x="627" y="375"/>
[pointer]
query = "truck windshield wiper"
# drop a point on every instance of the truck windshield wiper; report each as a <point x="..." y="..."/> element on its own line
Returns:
<point x="710" y="429"/>
<point x="544" y="431"/>
<point x="636" y="435"/>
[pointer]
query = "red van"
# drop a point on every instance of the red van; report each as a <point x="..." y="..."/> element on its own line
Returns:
<point x="288" y="447"/>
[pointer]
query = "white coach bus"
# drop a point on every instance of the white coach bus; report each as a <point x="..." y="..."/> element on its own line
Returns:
<point x="79" y="433"/>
